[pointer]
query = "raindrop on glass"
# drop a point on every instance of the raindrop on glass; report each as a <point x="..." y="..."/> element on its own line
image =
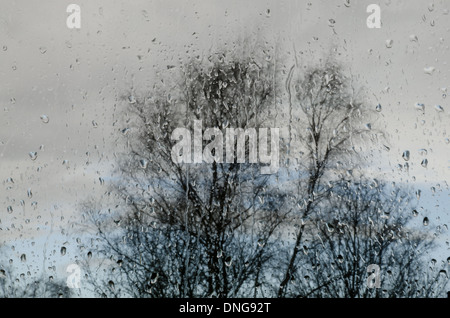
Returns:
<point x="424" y="163"/>
<point x="439" y="108"/>
<point x="389" y="43"/>
<point x="143" y="163"/>
<point x="419" y="106"/>
<point x="423" y="152"/>
<point x="418" y="193"/>
<point x="429" y="70"/>
<point x="426" y="221"/>
<point x="228" y="261"/>
<point x="45" y="119"/>
<point x="33" y="155"/>
<point x="131" y="99"/>
<point x="378" y="108"/>
<point x="154" y="278"/>
<point x="406" y="155"/>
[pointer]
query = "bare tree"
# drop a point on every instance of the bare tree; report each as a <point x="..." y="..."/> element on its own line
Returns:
<point x="325" y="117"/>
<point x="25" y="286"/>
<point x="205" y="229"/>
<point x="365" y="223"/>
<point x="223" y="229"/>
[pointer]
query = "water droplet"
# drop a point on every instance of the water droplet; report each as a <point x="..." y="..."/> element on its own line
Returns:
<point x="389" y="43"/>
<point x="261" y="199"/>
<point x="228" y="261"/>
<point x="424" y="163"/>
<point x="405" y="155"/>
<point x="23" y="258"/>
<point x="42" y="50"/>
<point x="431" y="7"/>
<point x="429" y="70"/>
<point x="443" y="273"/>
<point x="331" y="22"/>
<point x="219" y="254"/>
<point x="448" y="260"/>
<point x="420" y="106"/>
<point x="33" y="155"/>
<point x="340" y="258"/>
<point x="426" y="221"/>
<point x="131" y="99"/>
<point x="29" y="193"/>
<point x="63" y="251"/>
<point x="260" y="242"/>
<point x="347" y="3"/>
<point x="45" y="119"/>
<point x="330" y="227"/>
<point x="439" y="108"/>
<point x="89" y="255"/>
<point x="447" y="141"/>
<point x="305" y="249"/>
<point x="94" y="124"/>
<point x="378" y="108"/>
<point x="5" y="48"/>
<point x="423" y="152"/>
<point x="143" y="163"/>
<point x="267" y="12"/>
<point x="154" y="278"/>
<point x="111" y="285"/>
<point x="413" y="38"/>
<point x="9" y="209"/>
<point x="415" y="213"/>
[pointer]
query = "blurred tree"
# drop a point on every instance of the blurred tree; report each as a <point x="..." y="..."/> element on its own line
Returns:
<point x="364" y="223"/>
<point x="325" y="122"/>
<point x="196" y="230"/>
<point x="22" y="286"/>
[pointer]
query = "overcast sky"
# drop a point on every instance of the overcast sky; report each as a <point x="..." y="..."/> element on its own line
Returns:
<point x="75" y="77"/>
